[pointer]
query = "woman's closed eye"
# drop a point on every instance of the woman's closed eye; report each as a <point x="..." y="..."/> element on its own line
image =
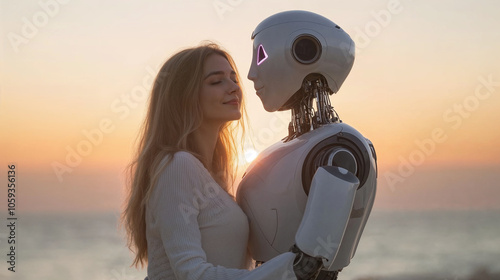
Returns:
<point x="220" y="81"/>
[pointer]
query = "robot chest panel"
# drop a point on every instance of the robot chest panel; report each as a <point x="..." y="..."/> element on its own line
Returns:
<point x="273" y="197"/>
<point x="278" y="171"/>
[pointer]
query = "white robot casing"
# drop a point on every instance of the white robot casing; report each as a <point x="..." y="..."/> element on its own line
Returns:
<point x="315" y="189"/>
<point x="272" y="192"/>
<point x="277" y="50"/>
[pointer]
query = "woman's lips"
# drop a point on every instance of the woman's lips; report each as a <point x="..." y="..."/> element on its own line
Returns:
<point x="232" y="102"/>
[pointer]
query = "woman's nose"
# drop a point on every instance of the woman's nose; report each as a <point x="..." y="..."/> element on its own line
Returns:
<point x="235" y="87"/>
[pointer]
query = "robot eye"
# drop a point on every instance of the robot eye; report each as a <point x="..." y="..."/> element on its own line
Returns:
<point x="261" y="55"/>
<point x="306" y="49"/>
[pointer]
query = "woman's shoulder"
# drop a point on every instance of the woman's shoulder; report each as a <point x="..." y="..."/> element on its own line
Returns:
<point x="181" y="169"/>
<point x="182" y="160"/>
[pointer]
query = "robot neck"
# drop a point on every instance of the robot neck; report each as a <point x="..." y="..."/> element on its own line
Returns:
<point x="310" y="107"/>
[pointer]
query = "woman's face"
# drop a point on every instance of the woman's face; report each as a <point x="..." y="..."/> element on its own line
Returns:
<point x="220" y="93"/>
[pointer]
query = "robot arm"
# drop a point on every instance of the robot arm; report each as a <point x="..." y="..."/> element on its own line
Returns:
<point x="327" y="213"/>
<point x="320" y="233"/>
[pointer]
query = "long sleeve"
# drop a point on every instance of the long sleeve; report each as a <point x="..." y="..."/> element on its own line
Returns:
<point x="195" y="230"/>
<point x="183" y="190"/>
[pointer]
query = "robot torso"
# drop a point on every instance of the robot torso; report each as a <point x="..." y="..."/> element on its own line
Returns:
<point x="273" y="191"/>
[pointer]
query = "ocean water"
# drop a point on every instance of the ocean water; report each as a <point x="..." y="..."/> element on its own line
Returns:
<point x="449" y="245"/>
<point x="443" y="245"/>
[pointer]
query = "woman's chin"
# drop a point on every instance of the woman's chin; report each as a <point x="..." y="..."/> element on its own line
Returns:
<point x="236" y="116"/>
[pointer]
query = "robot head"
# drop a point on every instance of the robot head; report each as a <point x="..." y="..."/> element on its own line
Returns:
<point x="288" y="47"/>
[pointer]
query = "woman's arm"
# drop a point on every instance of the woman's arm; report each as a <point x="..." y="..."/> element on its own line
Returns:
<point x="175" y="205"/>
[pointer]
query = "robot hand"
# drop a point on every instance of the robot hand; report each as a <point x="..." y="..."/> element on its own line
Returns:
<point x="287" y="266"/>
<point x="305" y="267"/>
<point x="278" y="268"/>
<point x="327" y="213"/>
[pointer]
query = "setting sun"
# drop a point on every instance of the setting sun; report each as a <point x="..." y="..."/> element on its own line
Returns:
<point x="250" y="155"/>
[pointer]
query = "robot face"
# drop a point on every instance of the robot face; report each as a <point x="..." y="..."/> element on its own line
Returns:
<point x="263" y="73"/>
<point x="289" y="46"/>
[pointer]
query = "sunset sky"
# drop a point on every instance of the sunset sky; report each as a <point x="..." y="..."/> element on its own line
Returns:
<point x="75" y="77"/>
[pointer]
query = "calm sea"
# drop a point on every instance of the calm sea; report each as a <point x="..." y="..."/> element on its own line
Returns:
<point x="396" y="245"/>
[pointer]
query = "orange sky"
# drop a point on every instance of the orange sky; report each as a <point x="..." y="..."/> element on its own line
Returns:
<point x="425" y="89"/>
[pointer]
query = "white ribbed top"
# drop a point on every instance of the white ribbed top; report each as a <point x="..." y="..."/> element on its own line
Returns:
<point x="195" y="230"/>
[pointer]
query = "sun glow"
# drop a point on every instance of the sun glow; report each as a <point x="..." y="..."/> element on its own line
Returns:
<point x="250" y="155"/>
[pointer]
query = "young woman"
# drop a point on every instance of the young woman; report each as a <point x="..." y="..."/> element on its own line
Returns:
<point x="180" y="216"/>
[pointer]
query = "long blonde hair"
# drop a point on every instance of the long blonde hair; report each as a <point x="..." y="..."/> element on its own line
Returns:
<point x="174" y="113"/>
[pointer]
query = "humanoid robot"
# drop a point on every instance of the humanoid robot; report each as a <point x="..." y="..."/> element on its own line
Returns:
<point x="312" y="192"/>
